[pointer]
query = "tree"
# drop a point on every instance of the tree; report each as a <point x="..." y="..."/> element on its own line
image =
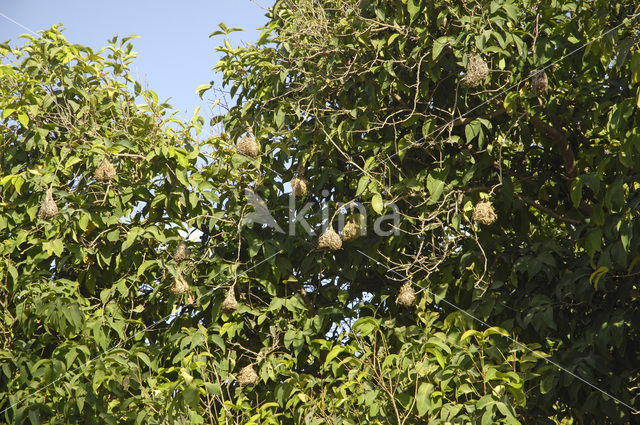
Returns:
<point x="458" y="112"/>
<point x="96" y="194"/>
<point x="514" y="193"/>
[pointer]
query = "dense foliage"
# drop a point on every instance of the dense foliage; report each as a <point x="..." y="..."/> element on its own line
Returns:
<point x="506" y="151"/>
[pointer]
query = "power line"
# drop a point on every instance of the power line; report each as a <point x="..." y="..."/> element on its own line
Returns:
<point x="8" y="18"/>
<point x="533" y="75"/>
<point x="483" y="323"/>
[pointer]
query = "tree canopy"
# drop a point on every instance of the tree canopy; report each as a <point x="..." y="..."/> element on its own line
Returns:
<point x="483" y="155"/>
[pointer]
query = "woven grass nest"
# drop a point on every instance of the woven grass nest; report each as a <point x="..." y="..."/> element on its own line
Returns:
<point x="48" y="208"/>
<point x="477" y="71"/>
<point x="230" y="304"/>
<point x="299" y="186"/>
<point x="406" y="295"/>
<point x="182" y="252"/>
<point x="539" y="82"/>
<point x="483" y="213"/>
<point x="247" y="145"/>
<point x="330" y="240"/>
<point x="351" y="231"/>
<point x="247" y="376"/>
<point x="179" y="285"/>
<point x="105" y="171"/>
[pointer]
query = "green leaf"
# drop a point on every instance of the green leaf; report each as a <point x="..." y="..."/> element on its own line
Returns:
<point x="280" y="117"/>
<point x="546" y="383"/>
<point x="595" y="277"/>
<point x="512" y="11"/>
<point x="438" y="45"/>
<point x="202" y="88"/>
<point x="614" y="198"/>
<point x="435" y="188"/>
<point x="58" y="247"/>
<point x="469" y="333"/>
<point x="132" y="236"/>
<point x="413" y="6"/>
<point x="593" y="241"/>
<point x="473" y="130"/>
<point x="34" y="417"/>
<point x="510" y="104"/>
<point x="366" y="325"/>
<point x="423" y="398"/>
<point x="335" y="351"/>
<point x="362" y="185"/>
<point x="113" y="236"/>
<point x="487" y="417"/>
<point x="24" y="119"/>
<point x="495" y="330"/>
<point x="576" y="192"/>
<point x="377" y="203"/>
<point x="213" y="388"/>
<point x="404" y="400"/>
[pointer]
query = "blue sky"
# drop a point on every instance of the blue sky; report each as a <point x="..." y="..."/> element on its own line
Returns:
<point x="175" y="53"/>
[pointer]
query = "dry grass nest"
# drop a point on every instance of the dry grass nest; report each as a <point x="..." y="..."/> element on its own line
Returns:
<point x="299" y="186"/>
<point x="351" y="231"/>
<point x="229" y="304"/>
<point x="105" y="171"/>
<point x="182" y="252"/>
<point x="330" y="240"/>
<point x="406" y="296"/>
<point x="247" y="145"/>
<point x="48" y="209"/>
<point x="539" y="82"/>
<point x="179" y="285"/>
<point x="247" y="376"/>
<point x="477" y="71"/>
<point x="483" y="213"/>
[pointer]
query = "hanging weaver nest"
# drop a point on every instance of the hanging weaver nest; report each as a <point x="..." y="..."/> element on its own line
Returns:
<point x="182" y="252"/>
<point x="48" y="209"/>
<point x="247" y="145"/>
<point x="299" y="186"/>
<point x="483" y="213"/>
<point x="330" y="240"/>
<point x="179" y="285"/>
<point x="351" y="231"/>
<point x="539" y="82"/>
<point x="105" y="171"/>
<point x="477" y="71"/>
<point x="406" y="295"/>
<point x="229" y="304"/>
<point x="247" y="376"/>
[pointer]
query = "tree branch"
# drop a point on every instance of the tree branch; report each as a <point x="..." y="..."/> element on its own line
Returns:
<point x="463" y="120"/>
<point x="546" y="210"/>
